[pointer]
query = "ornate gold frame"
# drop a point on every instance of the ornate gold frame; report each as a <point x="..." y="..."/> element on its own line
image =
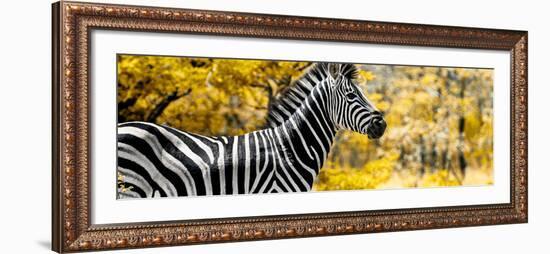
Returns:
<point x="71" y="226"/>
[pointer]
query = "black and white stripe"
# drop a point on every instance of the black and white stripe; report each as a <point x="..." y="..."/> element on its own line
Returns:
<point x="160" y="161"/>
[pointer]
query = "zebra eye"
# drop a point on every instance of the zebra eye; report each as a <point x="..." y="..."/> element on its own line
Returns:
<point x="351" y="96"/>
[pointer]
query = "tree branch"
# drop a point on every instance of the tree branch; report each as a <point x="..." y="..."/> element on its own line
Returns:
<point x="124" y="105"/>
<point x="305" y="66"/>
<point x="161" y="106"/>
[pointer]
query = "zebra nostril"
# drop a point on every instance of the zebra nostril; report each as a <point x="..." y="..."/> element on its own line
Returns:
<point x="376" y="128"/>
<point x="380" y="124"/>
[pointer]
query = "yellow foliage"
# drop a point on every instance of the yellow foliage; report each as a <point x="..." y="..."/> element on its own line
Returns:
<point x="365" y="76"/>
<point x="211" y="96"/>
<point x="441" y="177"/>
<point x="120" y="183"/>
<point x="372" y="174"/>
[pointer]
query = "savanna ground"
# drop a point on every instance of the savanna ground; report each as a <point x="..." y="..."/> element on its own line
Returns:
<point x="440" y="120"/>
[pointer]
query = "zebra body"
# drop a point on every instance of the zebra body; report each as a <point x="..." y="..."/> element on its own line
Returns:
<point x="157" y="160"/>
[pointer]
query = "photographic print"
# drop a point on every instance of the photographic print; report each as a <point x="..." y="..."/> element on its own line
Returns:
<point x="192" y="126"/>
<point x="295" y="126"/>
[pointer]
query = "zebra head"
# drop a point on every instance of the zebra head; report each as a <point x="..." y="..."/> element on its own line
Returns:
<point x="350" y="108"/>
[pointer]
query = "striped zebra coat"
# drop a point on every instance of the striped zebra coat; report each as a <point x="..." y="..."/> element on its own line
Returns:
<point x="160" y="161"/>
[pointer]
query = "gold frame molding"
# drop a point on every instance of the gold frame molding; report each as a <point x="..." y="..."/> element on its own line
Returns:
<point x="71" y="226"/>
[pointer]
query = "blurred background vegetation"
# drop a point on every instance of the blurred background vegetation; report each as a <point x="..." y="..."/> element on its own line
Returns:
<point x="440" y="120"/>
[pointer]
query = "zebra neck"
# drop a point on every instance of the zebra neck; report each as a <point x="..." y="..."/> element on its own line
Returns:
<point x="310" y="131"/>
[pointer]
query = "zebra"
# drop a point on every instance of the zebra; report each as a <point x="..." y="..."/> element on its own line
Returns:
<point x="161" y="161"/>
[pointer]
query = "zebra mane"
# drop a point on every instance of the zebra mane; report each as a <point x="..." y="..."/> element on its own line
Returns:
<point x="292" y="97"/>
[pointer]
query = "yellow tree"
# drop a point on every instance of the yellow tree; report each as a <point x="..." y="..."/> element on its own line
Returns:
<point x="202" y="95"/>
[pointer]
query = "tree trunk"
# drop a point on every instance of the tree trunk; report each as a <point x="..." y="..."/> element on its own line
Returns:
<point x="462" y="164"/>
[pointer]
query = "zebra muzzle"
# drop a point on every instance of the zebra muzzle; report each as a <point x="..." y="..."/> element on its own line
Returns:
<point x="376" y="128"/>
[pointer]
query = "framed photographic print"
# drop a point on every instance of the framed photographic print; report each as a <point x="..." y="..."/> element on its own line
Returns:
<point x="176" y="126"/>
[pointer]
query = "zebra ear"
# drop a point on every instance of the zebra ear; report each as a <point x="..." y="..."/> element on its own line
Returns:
<point x="333" y="70"/>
